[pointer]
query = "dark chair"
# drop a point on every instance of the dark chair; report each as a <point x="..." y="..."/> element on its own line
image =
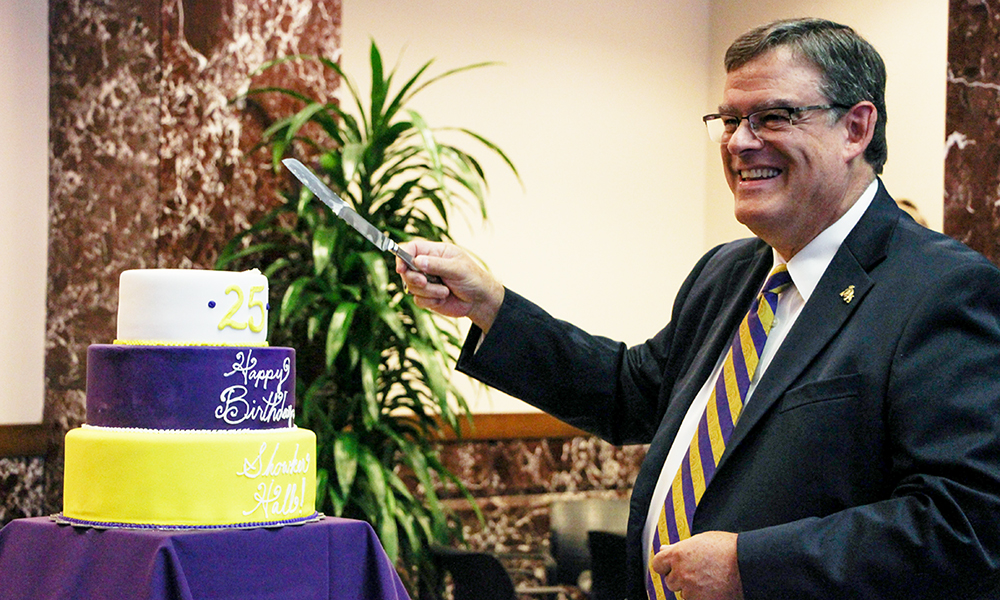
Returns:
<point x="607" y="565"/>
<point x="478" y="576"/>
<point x="475" y="575"/>
<point x="570" y="521"/>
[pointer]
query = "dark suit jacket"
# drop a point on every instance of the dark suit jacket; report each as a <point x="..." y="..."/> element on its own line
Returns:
<point x="867" y="462"/>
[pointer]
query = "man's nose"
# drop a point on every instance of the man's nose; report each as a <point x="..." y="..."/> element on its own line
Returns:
<point x="743" y="138"/>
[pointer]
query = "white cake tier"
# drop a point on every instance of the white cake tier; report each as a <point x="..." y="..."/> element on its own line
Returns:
<point x="192" y="307"/>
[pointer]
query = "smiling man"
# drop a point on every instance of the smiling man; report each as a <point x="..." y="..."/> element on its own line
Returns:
<point x="823" y="409"/>
<point x="786" y="166"/>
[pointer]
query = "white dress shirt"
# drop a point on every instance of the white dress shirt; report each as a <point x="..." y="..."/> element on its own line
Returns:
<point x="805" y="268"/>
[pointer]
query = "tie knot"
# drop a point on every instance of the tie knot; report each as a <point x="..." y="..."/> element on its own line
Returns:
<point x="778" y="280"/>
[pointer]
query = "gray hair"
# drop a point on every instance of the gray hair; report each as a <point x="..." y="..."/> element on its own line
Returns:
<point x="851" y="68"/>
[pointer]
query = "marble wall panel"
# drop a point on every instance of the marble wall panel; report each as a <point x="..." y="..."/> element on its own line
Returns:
<point x="972" y="159"/>
<point x="209" y="187"/>
<point x="21" y="488"/>
<point x="540" y="466"/>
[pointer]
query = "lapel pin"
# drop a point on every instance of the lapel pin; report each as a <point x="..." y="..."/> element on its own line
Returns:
<point x="848" y="294"/>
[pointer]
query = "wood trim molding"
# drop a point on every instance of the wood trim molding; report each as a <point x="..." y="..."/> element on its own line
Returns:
<point x="23" y="440"/>
<point x="32" y="440"/>
<point x="488" y="426"/>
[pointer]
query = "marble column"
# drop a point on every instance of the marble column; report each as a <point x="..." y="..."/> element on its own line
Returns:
<point x="972" y="160"/>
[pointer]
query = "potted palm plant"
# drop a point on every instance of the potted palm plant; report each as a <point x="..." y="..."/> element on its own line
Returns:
<point x="372" y="367"/>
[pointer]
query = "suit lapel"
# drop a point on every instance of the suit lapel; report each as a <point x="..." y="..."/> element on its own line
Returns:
<point x="822" y="317"/>
<point x="741" y="281"/>
<point x="841" y="290"/>
<point x="741" y="289"/>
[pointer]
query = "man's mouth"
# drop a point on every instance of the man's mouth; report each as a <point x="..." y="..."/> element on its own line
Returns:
<point x="759" y="173"/>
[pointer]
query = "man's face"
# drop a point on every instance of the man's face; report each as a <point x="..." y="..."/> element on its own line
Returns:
<point x="788" y="186"/>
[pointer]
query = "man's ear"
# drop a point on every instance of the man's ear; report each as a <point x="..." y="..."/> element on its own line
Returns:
<point x="860" y="128"/>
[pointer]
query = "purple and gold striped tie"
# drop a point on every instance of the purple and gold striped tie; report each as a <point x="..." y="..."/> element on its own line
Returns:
<point x="716" y="425"/>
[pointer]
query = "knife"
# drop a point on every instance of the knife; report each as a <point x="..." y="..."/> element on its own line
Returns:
<point x="345" y="212"/>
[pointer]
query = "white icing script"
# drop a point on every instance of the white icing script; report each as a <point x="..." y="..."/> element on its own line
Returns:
<point x="269" y="497"/>
<point x="246" y="364"/>
<point x="268" y="406"/>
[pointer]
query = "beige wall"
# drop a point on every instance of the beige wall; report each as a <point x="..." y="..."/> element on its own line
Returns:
<point x="599" y="105"/>
<point x="586" y="104"/>
<point x="23" y="207"/>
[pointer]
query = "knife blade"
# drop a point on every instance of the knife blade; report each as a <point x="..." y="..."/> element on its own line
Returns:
<point x="352" y="218"/>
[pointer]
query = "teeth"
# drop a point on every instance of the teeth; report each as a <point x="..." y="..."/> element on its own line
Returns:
<point x="765" y="173"/>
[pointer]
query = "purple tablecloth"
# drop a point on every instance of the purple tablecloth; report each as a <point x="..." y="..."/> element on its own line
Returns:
<point x="334" y="559"/>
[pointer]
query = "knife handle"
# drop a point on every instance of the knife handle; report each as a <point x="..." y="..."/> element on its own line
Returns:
<point x="407" y="258"/>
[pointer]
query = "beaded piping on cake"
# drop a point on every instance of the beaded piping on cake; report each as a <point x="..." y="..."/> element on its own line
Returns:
<point x="168" y="343"/>
<point x="62" y="519"/>
<point x="187" y="431"/>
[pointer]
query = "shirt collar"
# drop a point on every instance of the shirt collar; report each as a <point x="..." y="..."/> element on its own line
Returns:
<point x="808" y="265"/>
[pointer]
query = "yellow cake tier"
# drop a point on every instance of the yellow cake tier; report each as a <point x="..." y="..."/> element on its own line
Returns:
<point x="189" y="478"/>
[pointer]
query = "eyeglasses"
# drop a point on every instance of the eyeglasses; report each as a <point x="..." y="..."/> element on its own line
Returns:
<point x="778" y="119"/>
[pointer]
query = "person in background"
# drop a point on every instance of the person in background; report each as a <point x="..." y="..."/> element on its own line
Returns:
<point x="911" y="209"/>
<point x="823" y="408"/>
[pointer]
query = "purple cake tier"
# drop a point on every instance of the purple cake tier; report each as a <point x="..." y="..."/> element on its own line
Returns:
<point x="190" y="387"/>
